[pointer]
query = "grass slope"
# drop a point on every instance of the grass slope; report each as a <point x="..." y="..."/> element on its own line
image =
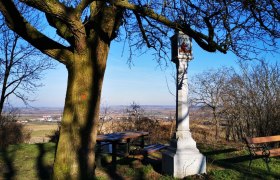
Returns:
<point x="27" y="161"/>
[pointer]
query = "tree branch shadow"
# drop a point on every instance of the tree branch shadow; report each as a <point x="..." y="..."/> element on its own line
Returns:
<point x="237" y="164"/>
<point x="220" y="151"/>
<point x="9" y="170"/>
<point x="110" y="168"/>
<point x="44" y="171"/>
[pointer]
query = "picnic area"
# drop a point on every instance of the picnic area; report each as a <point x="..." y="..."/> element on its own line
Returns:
<point x="225" y="160"/>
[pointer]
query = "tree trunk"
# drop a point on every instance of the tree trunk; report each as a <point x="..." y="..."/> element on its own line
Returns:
<point x="217" y="124"/>
<point x="3" y="93"/>
<point x="75" y="156"/>
<point x="4" y="85"/>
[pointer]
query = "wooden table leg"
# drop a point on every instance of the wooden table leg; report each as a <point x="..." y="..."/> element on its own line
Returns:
<point x="142" y="142"/>
<point x="114" y="152"/>
<point x="98" y="153"/>
<point x="128" y="147"/>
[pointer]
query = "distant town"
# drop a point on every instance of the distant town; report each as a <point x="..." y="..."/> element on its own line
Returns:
<point x="45" y="114"/>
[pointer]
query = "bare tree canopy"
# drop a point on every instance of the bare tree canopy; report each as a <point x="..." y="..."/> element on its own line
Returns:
<point x="89" y="26"/>
<point x="214" y="25"/>
<point x="19" y="72"/>
<point x="251" y="101"/>
<point x="223" y="26"/>
<point x="247" y="100"/>
<point x="207" y="90"/>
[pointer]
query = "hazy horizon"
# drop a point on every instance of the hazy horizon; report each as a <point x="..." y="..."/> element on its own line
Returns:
<point x="121" y="105"/>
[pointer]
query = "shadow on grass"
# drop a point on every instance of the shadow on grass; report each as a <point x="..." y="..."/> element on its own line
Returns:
<point x="221" y="151"/>
<point x="155" y="162"/>
<point x="238" y="164"/>
<point x="110" y="169"/>
<point x="232" y="162"/>
<point x="14" y="159"/>
<point x="9" y="170"/>
<point x="44" y="171"/>
<point x="134" y="167"/>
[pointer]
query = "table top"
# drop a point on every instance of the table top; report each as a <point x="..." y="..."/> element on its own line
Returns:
<point x="118" y="136"/>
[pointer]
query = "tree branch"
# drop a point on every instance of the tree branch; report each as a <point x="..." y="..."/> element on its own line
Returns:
<point x="153" y="25"/>
<point x="210" y="30"/>
<point x="18" y="24"/>
<point x="200" y="38"/>
<point x="53" y="7"/>
<point x="259" y="18"/>
<point x="142" y="29"/>
<point x="95" y="7"/>
<point x="62" y="29"/>
<point x="66" y="15"/>
<point x="83" y="4"/>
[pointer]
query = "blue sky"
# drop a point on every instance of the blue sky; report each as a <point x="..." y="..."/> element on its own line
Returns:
<point x="145" y="82"/>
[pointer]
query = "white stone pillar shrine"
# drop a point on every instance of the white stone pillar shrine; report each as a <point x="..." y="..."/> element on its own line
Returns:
<point x="182" y="158"/>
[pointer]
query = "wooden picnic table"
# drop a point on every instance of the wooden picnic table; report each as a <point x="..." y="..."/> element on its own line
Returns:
<point x="121" y="137"/>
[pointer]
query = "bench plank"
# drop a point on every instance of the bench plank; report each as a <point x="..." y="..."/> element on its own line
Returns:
<point x="258" y="140"/>
<point x="274" y="152"/>
<point x="153" y="148"/>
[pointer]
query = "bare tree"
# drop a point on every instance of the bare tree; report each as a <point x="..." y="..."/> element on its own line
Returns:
<point x="20" y="73"/>
<point x="252" y="103"/>
<point x="21" y="65"/>
<point x="248" y="99"/>
<point x="207" y="90"/>
<point x="104" y="116"/>
<point x="135" y="114"/>
<point x="139" y="121"/>
<point x="88" y="28"/>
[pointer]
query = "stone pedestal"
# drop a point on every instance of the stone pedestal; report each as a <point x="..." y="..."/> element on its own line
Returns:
<point x="182" y="158"/>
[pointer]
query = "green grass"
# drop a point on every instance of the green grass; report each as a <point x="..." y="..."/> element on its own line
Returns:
<point x="27" y="161"/>
<point x="230" y="163"/>
<point x="34" y="161"/>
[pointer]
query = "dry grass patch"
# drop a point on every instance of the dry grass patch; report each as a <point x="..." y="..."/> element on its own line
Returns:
<point x="40" y="132"/>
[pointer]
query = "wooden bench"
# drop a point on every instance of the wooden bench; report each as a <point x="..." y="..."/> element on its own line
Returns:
<point x="258" y="148"/>
<point x="153" y="148"/>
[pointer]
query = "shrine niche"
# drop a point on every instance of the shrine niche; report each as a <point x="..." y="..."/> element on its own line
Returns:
<point x="181" y="47"/>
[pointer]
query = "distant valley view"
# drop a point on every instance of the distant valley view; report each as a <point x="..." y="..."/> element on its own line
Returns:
<point x="46" y="114"/>
<point x="43" y="122"/>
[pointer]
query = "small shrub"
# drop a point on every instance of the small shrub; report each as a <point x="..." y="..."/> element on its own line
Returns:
<point x="12" y="132"/>
<point x="55" y="136"/>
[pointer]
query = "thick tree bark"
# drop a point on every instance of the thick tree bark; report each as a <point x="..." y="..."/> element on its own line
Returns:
<point x="85" y="60"/>
<point x="75" y="156"/>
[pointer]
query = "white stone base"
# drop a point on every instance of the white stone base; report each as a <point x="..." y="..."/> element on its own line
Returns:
<point x="180" y="165"/>
<point x="183" y="158"/>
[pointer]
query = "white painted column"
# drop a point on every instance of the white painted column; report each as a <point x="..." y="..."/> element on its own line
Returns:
<point x="182" y="120"/>
<point x="182" y="158"/>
